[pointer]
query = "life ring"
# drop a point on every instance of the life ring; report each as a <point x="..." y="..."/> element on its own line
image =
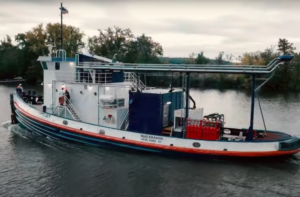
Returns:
<point x="61" y="100"/>
<point x="254" y="133"/>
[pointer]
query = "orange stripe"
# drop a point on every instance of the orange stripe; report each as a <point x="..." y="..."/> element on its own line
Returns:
<point x="164" y="147"/>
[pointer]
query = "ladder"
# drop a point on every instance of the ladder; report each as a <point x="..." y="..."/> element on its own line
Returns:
<point x="72" y="109"/>
<point x="123" y="118"/>
<point x="125" y="123"/>
<point x="136" y="83"/>
<point x="68" y="106"/>
<point x="58" y="110"/>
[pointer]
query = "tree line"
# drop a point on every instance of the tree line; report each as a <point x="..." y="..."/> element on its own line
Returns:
<point x="114" y="42"/>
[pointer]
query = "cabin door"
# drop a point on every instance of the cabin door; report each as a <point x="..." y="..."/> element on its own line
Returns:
<point x="166" y="114"/>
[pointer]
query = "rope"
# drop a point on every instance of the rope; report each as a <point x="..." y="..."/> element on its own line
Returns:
<point x="257" y="90"/>
<point x="262" y="115"/>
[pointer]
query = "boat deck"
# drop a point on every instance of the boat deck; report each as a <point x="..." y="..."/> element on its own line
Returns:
<point x="273" y="136"/>
<point x="40" y="108"/>
<point x="269" y="135"/>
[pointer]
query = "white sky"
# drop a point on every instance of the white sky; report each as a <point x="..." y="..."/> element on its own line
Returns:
<point x="181" y="27"/>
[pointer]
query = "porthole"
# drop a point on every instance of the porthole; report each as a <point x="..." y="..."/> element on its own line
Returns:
<point x="196" y="144"/>
<point x="102" y="132"/>
<point x="65" y="122"/>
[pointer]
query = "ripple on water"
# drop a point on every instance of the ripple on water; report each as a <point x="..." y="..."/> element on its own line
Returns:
<point x="32" y="165"/>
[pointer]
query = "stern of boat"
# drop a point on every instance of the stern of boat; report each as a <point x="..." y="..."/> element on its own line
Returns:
<point x="290" y="144"/>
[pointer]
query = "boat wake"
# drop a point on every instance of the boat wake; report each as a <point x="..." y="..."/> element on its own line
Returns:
<point x="57" y="144"/>
<point x="46" y="141"/>
<point x="6" y="124"/>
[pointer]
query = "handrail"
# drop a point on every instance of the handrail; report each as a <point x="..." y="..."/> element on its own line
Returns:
<point x="194" y="68"/>
<point x="179" y="65"/>
<point x="68" y="103"/>
<point x="79" y="77"/>
<point x="136" y="82"/>
<point x="122" y="118"/>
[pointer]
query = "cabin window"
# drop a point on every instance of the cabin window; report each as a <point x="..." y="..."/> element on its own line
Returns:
<point x="57" y="65"/>
<point x="121" y="102"/>
<point x="115" y="104"/>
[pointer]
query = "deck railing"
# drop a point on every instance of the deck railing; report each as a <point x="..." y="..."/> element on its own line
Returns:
<point x="195" y="68"/>
<point x="83" y="77"/>
<point x="135" y="81"/>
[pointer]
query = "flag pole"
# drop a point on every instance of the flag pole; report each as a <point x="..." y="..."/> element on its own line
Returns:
<point x="61" y="25"/>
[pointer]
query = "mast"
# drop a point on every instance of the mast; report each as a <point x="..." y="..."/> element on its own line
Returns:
<point x="187" y="94"/>
<point x="249" y="136"/>
<point x="61" y="24"/>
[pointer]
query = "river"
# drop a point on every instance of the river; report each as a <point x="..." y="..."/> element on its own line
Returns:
<point x="30" y="166"/>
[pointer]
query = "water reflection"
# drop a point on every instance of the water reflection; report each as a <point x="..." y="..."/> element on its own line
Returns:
<point x="33" y="166"/>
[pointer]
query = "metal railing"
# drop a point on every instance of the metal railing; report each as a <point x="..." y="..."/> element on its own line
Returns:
<point x="197" y="68"/>
<point x="83" y="77"/>
<point x="67" y="105"/>
<point x="72" y="109"/>
<point x="61" y="53"/>
<point x="135" y="81"/>
<point x="122" y="118"/>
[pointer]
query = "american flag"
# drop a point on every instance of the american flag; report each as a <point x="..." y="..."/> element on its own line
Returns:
<point x="64" y="10"/>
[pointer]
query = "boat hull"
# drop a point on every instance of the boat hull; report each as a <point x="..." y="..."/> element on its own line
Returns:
<point x="94" y="135"/>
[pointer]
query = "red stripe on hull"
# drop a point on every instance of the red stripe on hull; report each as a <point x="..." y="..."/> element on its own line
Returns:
<point x="163" y="147"/>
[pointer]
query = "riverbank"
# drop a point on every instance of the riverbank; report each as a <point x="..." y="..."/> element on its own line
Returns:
<point x="211" y="81"/>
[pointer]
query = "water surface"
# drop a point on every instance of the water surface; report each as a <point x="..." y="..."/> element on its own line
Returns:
<point x="34" y="166"/>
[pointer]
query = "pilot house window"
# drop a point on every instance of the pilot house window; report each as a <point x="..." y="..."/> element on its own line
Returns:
<point x="57" y="65"/>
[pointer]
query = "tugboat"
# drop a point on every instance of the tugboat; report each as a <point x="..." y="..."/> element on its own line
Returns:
<point x="110" y="105"/>
<point x="100" y="102"/>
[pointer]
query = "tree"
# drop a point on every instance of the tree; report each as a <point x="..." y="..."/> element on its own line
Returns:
<point x="285" y="47"/>
<point x="9" y="62"/>
<point x="33" y="44"/>
<point x="258" y="57"/>
<point x="283" y="75"/>
<point x="110" y="41"/>
<point x="201" y="59"/>
<point x="219" y="58"/>
<point x="192" y="58"/>
<point x="295" y="74"/>
<point x="127" y="47"/>
<point x="143" y="50"/>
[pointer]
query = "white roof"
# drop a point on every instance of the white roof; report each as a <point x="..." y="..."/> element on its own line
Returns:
<point x="160" y="91"/>
<point x="107" y="98"/>
<point x="99" y="57"/>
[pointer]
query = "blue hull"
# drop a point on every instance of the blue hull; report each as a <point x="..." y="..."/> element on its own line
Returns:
<point x="56" y="133"/>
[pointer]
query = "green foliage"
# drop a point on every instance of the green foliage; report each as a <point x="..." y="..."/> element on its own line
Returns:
<point x="20" y="60"/>
<point x="123" y="45"/>
<point x="201" y="59"/>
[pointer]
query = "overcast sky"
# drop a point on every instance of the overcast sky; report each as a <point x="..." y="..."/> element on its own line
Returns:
<point x="181" y="27"/>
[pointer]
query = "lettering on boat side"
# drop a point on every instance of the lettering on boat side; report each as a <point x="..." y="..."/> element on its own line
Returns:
<point x="45" y="115"/>
<point x="150" y="138"/>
